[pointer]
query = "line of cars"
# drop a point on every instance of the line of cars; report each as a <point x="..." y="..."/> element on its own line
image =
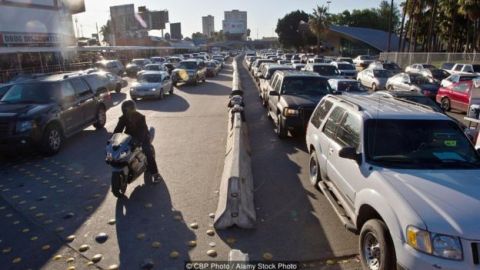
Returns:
<point x="397" y="171"/>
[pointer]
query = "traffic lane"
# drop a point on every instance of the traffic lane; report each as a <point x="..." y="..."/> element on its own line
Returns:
<point x="68" y="194"/>
<point x="295" y="221"/>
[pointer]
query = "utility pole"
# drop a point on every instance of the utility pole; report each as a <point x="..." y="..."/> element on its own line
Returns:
<point x="390" y="23"/>
<point x="98" y="36"/>
<point x="76" y="27"/>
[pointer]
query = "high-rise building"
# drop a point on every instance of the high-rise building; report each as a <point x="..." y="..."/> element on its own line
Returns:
<point x="235" y="24"/>
<point x="176" y="31"/>
<point x="208" y="25"/>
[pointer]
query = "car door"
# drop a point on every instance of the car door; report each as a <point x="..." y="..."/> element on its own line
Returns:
<point x="345" y="173"/>
<point x="167" y="83"/>
<point x="86" y="98"/>
<point x="459" y="96"/>
<point x="322" y="142"/>
<point x="71" y="115"/>
<point x="273" y="100"/>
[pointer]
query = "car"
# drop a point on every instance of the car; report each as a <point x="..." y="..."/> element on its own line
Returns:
<point x="326" y="70"/>
<point x="344" y="59"/>
<point x="158" y="60"/>
<point x="413" y="82"/>
<point x="374" y="79"/>
<point x="174" y="60"/>
<point x="447" y="66"/>
<point x="466" y="68"/>
<point x="435" y="74"/>
<point x="112" y="66"/>
<point x="257" y="63"/>
<point x="417" y="68"/>
<point x="152" y="84"/>
<point x="293" y="98"/>
<point x="264" y="85"/>
<point x="391" y="66"/>
<point x="190" y="71"/>
<point x="404" y="177"/>
<point x="346" y="85"/>
<point x="220" y="59"/>
<point x="152" y="67"/>
<point x="113" y="82"/>
<point x="456" y="96"/>
<point x="136" y="65"/>
<point x="455" y="78"/>
<point x="363" y="61"/>
<point x="249" y="61"/>
<point x="44" y="112"/>
<point x="169" y="67"/>
<point x="298" y="66"/>
<point x="316" y="60"/>
<point x="346" y="69"/>
<point x="212" y="68"/>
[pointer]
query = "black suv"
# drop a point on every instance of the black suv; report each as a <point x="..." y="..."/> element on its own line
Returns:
<point x="294" y="96"/>
<point x="44" y="111"/>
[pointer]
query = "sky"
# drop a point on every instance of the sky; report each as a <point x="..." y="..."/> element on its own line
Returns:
<point x="262" y="14"/>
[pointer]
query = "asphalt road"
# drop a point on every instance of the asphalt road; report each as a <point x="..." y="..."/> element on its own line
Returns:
<point x="54" y="210"/>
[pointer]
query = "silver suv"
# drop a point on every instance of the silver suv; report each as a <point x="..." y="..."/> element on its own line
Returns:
<point x="404" y="177"/>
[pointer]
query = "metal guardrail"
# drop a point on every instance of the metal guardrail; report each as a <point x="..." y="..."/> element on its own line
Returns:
<point x="437" y="59"/>
<point x="236" y="202"/>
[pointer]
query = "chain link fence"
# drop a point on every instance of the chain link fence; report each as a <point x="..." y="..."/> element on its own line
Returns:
<point x="436" y="59"/>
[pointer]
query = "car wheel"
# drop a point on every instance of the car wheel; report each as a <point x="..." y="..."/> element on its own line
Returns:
<point x="445" y="104"/>
<point x="315" y="175"/>
<point x="205" y="79"/>
<point x="390" y="88"/>
<point x="52" y="140"/>
<point x="282" y="132"/>
<point x="376" y="248"/>
<point x="374" y="87"/>
<point x="118" y="88"/>
<point x="101" y="118"/>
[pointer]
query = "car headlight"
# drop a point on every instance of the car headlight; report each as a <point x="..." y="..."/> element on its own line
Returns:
<point x="153" y="89"/>
<point x="23" y="126"/>
<point x="290" y="112"/>
<point x="444" y="246"/>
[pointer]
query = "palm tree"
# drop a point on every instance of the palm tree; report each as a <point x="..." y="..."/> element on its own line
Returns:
<point x="106" y="30"/>
<point x="402" y="37"/>
<point x="471" y="9"/>
<point x="319" y="23"/>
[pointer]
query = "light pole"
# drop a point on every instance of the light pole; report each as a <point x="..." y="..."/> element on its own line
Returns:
<point x="328" y="6"/>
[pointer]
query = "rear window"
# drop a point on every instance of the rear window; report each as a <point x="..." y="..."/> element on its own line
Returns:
<point x="345" y="67"/>
<point x="326" y="70"/>
<point x="476" y="68"/>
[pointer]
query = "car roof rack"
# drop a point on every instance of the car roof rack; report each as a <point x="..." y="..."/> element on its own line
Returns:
<point x="340" y="98"/>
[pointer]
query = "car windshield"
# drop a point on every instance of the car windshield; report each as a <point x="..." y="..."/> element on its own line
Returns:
<point x="326" y="70"/>
<point x="439" y="74"/>
<point x="350" y="86"/>
<point x="150" y="78"/>
<point x="30" y="93"/>
<point x="4" y="89"/>
<point x="419" y="144"/>
<point x="138" y="62"/>
<point x="187" y="65"/>
<point x="345" y="67"/>
<point x="447" y="65"/>
<point x="391" y="66"/>
<point x="305" y="86"/>
<point x="382" y="73"/>
<point x="152" y="67"/>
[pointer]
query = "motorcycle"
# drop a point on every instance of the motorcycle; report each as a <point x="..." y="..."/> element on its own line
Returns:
<point x="127" y="160"/>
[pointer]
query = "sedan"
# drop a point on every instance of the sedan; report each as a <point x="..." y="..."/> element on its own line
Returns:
<point x="136" y="65"/>
<point x="413" y="82"/>
<point x="152" y="84"/>
<point x="374" y="79"/>
<point x="456" y="96"/>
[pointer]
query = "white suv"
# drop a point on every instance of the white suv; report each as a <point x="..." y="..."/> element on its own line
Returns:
<point x="403" y="176"/>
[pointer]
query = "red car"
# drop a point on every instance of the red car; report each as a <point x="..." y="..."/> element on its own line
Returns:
<point x="455" y="96"/>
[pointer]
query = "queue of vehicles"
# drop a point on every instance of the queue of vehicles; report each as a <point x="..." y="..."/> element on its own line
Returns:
<point x="397" y="170"/>
<point x="43" y="110"/>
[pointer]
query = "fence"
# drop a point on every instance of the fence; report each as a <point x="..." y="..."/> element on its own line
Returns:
<point x="436" y="59"/>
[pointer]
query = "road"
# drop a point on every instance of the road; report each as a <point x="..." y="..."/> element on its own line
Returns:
<point x="58" y="212"/>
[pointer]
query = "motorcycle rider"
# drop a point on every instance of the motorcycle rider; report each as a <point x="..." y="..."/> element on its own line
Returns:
<point x="135" y="125"/>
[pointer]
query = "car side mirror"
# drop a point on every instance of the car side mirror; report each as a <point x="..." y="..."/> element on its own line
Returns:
<point x="273" y="93"/>
<point x="350" y="153"/>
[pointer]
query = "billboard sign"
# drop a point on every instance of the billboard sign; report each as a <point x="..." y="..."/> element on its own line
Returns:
<point x="234" y="27"/>
<point x="13" y="38"/>
<point x="159" y="19"/>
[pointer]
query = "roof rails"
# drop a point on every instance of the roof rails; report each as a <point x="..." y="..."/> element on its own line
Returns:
<point x="389" y="96"/>
<point x="346" y="102"/>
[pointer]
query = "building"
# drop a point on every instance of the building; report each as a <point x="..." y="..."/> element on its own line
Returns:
<point x="208" y="25"/>
<point x="176" y="31"/>
<point x="235" y="24"/>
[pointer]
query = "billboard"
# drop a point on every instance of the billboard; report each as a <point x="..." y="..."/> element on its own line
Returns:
<point x="75" y="6"/>
<point x="123" y="19"/>
<point x="234" y="27"/>
<point x="158" y="19"/>
<point x="176" y="31"/>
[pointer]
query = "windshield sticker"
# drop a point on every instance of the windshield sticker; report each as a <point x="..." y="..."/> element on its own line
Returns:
<point x="448" y="156"/>
<point x="450" y="143"/>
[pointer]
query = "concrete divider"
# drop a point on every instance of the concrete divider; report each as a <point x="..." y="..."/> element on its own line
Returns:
<point x="235" y="204"/>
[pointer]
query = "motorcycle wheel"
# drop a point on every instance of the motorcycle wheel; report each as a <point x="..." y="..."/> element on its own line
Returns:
<point x="119" y="185"/>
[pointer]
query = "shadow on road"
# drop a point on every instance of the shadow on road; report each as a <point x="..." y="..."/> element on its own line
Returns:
<point x="171" y="103"/>
<point x="148" y="228"/>
<point x="288" y="226"/>
<point x="211" y="87"/>
<point x="118" y="98"/>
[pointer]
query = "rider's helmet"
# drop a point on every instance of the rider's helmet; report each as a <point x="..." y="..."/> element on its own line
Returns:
<point x="128" y="107"/>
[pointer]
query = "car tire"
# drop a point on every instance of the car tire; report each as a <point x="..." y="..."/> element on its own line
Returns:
<point x="314" y="170"/>
<point x="101" y="118"/>
<point x="376" y="247"/>
<point x="445" y="104"/>
<point x="280" y="128"/>
<point x="204" y="79"/>
<point x="374" y="87"/>
<point x="52" y="140"/>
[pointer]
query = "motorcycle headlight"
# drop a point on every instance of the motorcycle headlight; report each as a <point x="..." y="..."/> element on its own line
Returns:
<point x="444" y="246"/>
<point x="23" y="126"/>
<point x="290" y="112"/>
<point x="123" y="155"/>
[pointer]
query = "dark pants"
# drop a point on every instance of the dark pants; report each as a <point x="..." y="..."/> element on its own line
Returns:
<point x="148" y="150"/>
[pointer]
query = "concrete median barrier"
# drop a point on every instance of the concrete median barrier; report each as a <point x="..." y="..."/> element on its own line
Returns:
<point x="236" y="204"/>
